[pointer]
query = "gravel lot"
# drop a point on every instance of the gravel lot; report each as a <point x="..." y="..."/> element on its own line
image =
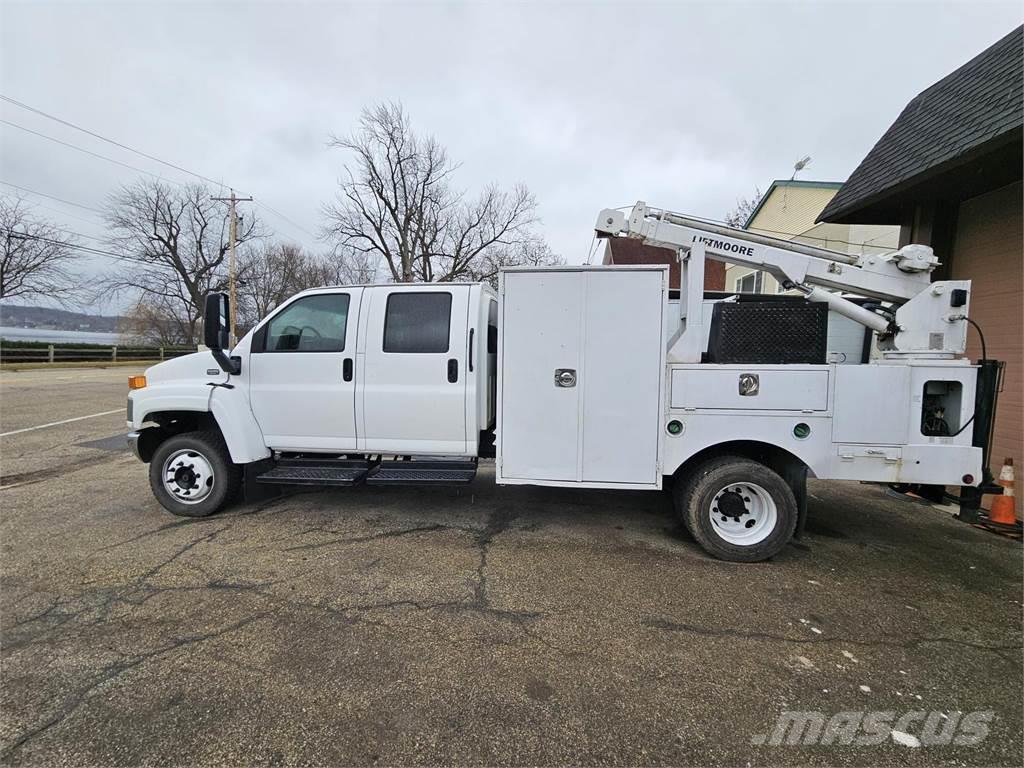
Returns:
<point x="480" y="625"/>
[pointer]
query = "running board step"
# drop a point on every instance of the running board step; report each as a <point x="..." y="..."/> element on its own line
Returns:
<point x="422" y="473"/>
<point x="316" y="472"/>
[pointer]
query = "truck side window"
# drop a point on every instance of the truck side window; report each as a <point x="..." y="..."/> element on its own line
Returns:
<point x="492" y="328"/>
<point x="417" y="322"/>
<point x="311" y="324"/>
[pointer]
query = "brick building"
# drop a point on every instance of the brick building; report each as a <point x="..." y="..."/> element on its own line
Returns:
<point x="948" y="171"/>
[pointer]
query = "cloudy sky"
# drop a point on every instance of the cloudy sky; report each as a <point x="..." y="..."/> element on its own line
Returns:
<point x="686" y="105"/>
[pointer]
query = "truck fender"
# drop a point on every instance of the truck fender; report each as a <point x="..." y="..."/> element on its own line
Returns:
<point x="241" y="432"/>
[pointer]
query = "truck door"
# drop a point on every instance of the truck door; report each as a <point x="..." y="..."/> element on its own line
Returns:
<point x="302" y="373"/>
<point x="412" y="370"/>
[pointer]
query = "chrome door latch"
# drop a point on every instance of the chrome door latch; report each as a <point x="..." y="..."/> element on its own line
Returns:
<point x="750" y="384"/>
<point x="565" y="377"/>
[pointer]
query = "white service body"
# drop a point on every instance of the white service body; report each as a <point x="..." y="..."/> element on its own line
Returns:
<point x="608" y="430"/>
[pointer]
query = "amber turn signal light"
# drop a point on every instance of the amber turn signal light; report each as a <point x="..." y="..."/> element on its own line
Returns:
<point x="136" y="382"/>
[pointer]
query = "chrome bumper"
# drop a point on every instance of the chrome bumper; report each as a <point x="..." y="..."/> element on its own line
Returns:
<point x="133" y="443"/>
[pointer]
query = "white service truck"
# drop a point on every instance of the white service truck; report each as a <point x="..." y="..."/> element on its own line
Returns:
<point x="588" y="377"/>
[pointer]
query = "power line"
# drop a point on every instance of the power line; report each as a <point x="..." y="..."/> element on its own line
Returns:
<point x="69" y="124"/>
<point x="281" y="215"/>
<point x="51" y="197"/>
<point x="89" y="152"/>
<point x="139" y="152"/>
<point x="52" y="241"/>
<point x="84" y="220"/>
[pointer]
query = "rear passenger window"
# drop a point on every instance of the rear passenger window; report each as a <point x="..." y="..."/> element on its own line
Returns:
<point x="311" y="324"/>
<point x="417" y="322"/>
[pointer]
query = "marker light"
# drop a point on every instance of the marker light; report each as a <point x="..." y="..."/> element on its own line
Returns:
<point x="802" y="430"/>
<point x="136" y="382"/>
<point x="675" y="427"/>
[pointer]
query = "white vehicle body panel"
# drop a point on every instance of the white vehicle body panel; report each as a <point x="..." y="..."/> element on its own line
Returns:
<point x="784" y="387"/>
<point x="406" y="403"/>
<point x="183" y="384"/>
<point x="300" y="398"/>
<point x="857" y="435"/>
<point x="604" y="328"/>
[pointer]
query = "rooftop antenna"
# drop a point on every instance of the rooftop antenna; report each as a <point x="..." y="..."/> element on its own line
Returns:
<point x="799" y="165"/>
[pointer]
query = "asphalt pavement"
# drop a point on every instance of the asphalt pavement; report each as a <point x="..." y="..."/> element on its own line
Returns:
<point x="479" y="625"/>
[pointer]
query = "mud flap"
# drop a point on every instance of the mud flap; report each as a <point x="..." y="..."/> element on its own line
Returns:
<point x="795" y="475"/>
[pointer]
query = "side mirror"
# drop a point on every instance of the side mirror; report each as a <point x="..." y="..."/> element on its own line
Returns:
<point x="216" y="322"/>
<point x="217" y="331"/>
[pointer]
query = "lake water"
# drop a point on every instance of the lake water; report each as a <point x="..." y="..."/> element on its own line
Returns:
<point x="56" y="336"/>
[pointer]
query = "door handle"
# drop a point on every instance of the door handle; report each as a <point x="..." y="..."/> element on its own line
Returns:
<point x="565" y="377"/>
<point x="346" y="369"/>
<point x="453" y="371"/>
<point x="471" y="330"/>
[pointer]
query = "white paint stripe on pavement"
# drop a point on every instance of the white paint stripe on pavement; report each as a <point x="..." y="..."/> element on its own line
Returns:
<point x="58" y="423"/>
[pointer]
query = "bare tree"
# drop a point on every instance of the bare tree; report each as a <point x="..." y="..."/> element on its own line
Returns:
<point x="531" y="251"/>
<point x="152" y="321"/>
<point x="745" y="206"/>
<point x="396" y="204"/>
<point x="346" y="266"/>
<point x="176" y="240"/>
<point x="273" y="272"/>
<point x="36" y="255"/>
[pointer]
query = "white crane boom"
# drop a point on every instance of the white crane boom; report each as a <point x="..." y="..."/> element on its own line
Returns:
<point x="923" y="325"/>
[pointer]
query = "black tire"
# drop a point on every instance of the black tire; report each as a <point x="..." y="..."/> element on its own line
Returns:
<point x="210" y="493"/>
<point x="695" y="497"/>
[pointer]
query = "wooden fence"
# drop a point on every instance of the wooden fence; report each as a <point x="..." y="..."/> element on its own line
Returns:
<point x="55" y="353"/>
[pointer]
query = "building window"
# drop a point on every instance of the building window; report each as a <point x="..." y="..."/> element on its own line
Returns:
<point x="417" y="322"/>
<point x="749" y="283"/>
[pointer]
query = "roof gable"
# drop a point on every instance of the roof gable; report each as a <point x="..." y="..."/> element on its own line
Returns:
<point x="978" y="104"/>
<point x="809" y="197"/>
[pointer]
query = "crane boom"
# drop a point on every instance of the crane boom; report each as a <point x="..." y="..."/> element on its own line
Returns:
<point x="902" y="277"/>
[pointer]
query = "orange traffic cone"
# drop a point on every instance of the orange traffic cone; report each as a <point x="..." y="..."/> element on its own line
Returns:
<point x="1002" y="506"/>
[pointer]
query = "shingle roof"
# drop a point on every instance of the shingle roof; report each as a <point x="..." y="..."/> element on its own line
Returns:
<point x="978" y="103"/>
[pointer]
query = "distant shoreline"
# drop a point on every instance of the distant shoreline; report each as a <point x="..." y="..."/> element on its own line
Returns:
<point x="58" y="336"/>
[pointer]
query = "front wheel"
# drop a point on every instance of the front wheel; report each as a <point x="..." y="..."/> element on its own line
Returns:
<point x="737" y="509"/>
<point x="192" y="474"/>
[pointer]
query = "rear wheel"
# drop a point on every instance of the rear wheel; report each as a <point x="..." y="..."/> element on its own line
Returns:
<point x="192" y="474"/>
<point x="737" y="509"/>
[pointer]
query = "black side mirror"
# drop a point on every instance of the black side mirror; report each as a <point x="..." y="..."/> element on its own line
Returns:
<point x="217" y="331"/>
<point x="216" y="321"/>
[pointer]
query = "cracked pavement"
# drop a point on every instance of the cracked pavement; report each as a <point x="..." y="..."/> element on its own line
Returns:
<point x="477" y="625"/>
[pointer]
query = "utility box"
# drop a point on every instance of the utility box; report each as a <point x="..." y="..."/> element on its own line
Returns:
<point x="581" y="372"/>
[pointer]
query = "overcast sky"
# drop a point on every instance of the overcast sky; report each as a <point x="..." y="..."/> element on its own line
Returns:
<point x="686" y="105"/>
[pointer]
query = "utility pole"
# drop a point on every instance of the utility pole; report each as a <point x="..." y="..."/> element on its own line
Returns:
<point x="232" y="236"/>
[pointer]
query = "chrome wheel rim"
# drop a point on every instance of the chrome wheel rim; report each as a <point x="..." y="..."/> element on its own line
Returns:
<point x="188" y="476"/>
<point x="743" y="514"/>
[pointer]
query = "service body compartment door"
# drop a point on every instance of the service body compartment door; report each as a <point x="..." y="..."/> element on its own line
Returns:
<point x="581" y="366"/>
<point x="540" y="332"/>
